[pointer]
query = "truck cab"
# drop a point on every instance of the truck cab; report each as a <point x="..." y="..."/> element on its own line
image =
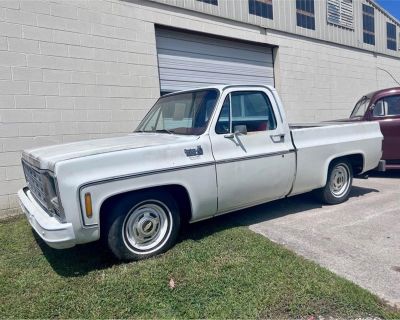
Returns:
<point x="383" y="106"/>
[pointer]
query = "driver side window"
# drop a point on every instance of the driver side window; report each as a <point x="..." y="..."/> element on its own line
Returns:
<point x="388" y="106"/>
<point x="252" y="109"/>
<point x="379" y="109"/>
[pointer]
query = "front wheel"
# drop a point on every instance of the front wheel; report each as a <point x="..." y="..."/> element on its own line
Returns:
<point x="339" y="182"/>
<point x="142" y="225"/>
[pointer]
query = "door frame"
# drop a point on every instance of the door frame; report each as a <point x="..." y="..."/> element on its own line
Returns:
<point x="282" y="128"/>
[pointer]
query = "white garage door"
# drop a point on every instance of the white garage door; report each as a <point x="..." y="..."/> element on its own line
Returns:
<point x="189" y="60"/>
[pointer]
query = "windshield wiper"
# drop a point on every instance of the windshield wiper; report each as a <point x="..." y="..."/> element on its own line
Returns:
<point x="164" y="131"/>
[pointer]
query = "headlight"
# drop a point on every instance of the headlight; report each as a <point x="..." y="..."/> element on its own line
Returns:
<point x="43" y="186"/>
<point x="54" y="204"/>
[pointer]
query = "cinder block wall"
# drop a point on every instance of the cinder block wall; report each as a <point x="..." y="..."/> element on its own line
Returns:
<point x="69" y="70"/>
<point x="79" y="69"/>
<point x="322" y="81"/>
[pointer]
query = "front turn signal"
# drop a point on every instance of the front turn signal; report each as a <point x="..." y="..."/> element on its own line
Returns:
<point x="88" y="205"/>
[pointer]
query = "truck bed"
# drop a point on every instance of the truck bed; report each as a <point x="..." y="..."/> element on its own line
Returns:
<point x="317" y="144"/>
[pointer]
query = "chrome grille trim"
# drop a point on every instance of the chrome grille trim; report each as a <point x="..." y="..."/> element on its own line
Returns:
<point x="30" y="160"/>
<point x="36" y="184"/>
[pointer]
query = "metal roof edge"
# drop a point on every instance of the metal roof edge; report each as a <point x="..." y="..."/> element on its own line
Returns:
<point x="376" y="4"/>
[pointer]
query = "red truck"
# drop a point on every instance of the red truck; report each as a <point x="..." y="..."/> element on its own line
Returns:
<point x="383" y="106"/>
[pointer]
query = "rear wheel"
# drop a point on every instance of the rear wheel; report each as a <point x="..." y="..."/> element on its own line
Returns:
<point x="142" y="226"/>
<point x="339" y="182"/>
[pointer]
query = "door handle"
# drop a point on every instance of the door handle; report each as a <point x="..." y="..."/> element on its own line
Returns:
<point x="229" y="135"/>
<point x="278" y="137"/>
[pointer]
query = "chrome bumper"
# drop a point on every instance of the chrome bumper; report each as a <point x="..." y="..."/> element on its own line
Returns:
<point x="56" y="234"/>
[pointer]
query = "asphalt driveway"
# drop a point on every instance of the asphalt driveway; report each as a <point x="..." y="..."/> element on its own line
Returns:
<point x="359" y="239"/>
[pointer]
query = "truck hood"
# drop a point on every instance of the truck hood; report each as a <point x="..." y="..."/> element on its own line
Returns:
<point x="46" y="157"/>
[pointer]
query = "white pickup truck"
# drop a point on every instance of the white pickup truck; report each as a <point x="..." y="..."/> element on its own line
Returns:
<point x="195" y="155"/>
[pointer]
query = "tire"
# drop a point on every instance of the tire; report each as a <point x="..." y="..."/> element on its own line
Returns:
<point x="338" y="184"/>
<point x="142" y="225"/>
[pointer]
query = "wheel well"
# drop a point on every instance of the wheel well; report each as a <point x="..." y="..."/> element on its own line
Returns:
<point x="178" y="192"/>
<point x="356" y="161"/>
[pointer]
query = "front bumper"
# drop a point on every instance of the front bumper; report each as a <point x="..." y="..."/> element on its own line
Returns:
<point x="56" y="234"/>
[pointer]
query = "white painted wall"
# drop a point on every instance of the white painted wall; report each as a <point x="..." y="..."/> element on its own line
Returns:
<point x="72" y="70"/>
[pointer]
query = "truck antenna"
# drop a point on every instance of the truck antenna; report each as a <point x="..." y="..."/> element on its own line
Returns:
<point x="389" y="75"/>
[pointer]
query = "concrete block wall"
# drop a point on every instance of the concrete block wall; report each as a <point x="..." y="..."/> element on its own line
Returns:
<point x="322" y="81"/>
<point x="80" y="69"/>
<point x="72" y="70"/>
<point x="69" y="70"/>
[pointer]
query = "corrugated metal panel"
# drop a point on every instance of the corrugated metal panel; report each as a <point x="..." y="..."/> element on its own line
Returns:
<point x="284" y="13"/>
<point x="188" y="60"/>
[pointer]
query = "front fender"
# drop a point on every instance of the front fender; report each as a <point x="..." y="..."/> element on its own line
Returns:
<point x="199" y="182"/>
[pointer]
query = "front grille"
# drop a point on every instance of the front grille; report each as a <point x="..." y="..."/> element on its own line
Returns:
<point x="36" y="183"/>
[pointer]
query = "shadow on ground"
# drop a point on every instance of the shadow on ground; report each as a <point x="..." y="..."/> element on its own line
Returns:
<point x="82" y="259"/>
<point x="77" y="261"/>
<point x="392" y="174"/>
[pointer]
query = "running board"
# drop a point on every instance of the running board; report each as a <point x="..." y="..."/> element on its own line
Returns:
<point x="393" y="166"/>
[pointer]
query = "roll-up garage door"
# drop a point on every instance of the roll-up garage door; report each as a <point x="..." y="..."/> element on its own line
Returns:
<point x="188" y="60"/>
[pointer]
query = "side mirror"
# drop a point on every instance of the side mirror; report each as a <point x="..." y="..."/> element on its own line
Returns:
<point x="369" y="114"/>
<point x="240" y="129"/>
<point x="237" y="130"/>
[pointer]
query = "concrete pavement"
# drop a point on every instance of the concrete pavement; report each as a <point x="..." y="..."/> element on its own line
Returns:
<point x="359" y="239"/>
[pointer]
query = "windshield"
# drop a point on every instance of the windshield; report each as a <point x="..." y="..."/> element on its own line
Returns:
<point x="360" y="108"/>
<point x="182" y="113"/>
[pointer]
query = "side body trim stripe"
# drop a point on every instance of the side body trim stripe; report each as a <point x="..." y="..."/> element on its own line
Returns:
<point x="263" y="155"/>
<point x="185" y="167"/>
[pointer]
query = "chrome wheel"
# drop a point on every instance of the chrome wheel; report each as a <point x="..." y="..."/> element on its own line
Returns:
<point x="147" y="227"/>
<point x="340" y="180"/>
